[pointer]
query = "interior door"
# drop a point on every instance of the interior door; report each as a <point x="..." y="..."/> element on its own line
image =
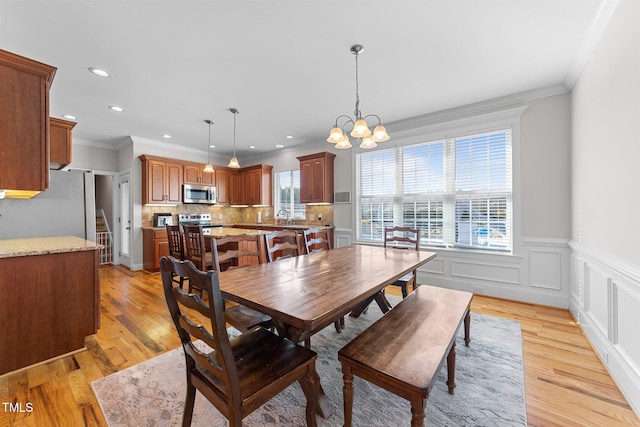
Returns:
<point x="124" y="219"/>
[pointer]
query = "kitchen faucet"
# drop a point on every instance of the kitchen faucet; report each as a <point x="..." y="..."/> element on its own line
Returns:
<point x="286" y="212"/>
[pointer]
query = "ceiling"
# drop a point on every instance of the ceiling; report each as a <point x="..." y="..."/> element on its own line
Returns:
<point x="285" y="64"/>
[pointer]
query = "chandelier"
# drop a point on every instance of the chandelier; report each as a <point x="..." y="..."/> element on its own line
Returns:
<point x="233" y="163"/>
<point x="208" y="168"/>
<point x="360" y="131"/>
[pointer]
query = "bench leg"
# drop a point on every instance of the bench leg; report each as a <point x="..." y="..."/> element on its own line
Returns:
<point x="347" y="391"/>
<point x="467" y="328"/>
<point x="451" y="368"/>
<point x="417" y="410"/>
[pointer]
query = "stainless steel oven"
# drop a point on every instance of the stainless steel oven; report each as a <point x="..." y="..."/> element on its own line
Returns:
<point x="199" y="194"/>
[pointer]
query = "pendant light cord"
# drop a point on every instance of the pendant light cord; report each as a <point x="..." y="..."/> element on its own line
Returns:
<point x="209" y="162"/>
<point x="357" y="111"/>
<point x="234" y="133"/>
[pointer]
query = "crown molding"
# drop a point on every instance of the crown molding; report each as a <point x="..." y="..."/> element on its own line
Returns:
<point x="607" y="7"/>
<point x="482" y="107"/>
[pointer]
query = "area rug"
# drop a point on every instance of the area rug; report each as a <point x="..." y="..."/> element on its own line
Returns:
<point x="489" y="392"/>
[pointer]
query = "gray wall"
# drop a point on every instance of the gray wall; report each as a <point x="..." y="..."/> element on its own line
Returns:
<point x="58" y="211"/>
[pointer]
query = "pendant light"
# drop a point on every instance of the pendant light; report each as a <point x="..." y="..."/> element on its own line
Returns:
<point x="233" y="163"/>
<point x="360" y="131"/>
<point x="208" y="168"/>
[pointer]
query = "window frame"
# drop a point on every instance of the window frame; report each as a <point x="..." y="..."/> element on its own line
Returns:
<point x="301" y="207"/>
<point x="428" y="129"/>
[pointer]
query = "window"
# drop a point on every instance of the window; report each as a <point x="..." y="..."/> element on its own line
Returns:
<point x="456" y="191"/>
<point x="288" y="194"/>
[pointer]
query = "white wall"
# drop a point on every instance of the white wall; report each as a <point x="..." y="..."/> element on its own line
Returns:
<point x="605" y="267"/>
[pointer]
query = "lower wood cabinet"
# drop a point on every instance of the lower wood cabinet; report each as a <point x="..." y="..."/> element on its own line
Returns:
<point x="49" y="304"/>
<point x="155" y="244"/>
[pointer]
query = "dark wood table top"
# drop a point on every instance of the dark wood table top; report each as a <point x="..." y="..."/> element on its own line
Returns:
<point x="309" y="292"/>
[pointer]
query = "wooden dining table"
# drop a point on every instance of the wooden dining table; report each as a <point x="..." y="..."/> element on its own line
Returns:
<point x="305" y="294"/>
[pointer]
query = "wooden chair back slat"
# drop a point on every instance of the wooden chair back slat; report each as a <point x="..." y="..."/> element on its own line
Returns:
<point x="317" y="239"/>
<point x="176" y="242"/>
<point x="237" y="251"/>
<point x="403" y="238"/>
<point x="282" y="244"/>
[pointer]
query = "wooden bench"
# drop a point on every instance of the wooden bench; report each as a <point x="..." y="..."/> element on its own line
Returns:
<point x="404" y="350"/>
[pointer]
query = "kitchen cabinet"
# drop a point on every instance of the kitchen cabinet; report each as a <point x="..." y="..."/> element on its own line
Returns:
<point x="161" y="180"/>
<point x="60" y="142"/>
<point x="316" y="178"/>
<point x="24" y="114"/>
<point x="155" y="244"/>
<point x="236" y="188"/>
<point x="194" y="174"/>
<point x="222" y="186"/>
<point x="50" y="298"/>
<point x="257" y="185"/>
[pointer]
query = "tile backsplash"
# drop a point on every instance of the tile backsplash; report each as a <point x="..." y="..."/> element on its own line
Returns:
<point x="316" y="214"/>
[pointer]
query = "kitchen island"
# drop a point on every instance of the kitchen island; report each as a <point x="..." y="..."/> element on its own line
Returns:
<point x="49" y="298"/>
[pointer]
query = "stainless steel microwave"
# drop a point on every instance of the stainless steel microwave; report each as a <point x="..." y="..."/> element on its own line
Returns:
<point x="199" y="194"/>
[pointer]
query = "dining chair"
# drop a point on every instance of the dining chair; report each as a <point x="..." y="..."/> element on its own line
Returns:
<point x="239" y="375"/>
<point x="240" y="251"/>
<point x="196" y="250"/>
<point x="317" y="239"/>
<point x="282" y="244"/>
<point x="176" y="246"/>
<point x="403" y="238"/>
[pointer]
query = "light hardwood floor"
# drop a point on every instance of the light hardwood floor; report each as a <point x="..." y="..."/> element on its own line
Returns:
<point x="566" y="385"/>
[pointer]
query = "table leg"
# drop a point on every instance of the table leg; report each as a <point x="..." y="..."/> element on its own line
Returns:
<point x="451" y="368"/>
<point x="467" y="328"/>
<point x="417" y="411"/>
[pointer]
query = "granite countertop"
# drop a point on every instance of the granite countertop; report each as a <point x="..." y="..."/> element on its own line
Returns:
<point x="44" y="245"/>
<point x="226" y="231"/>
<point x="290" y="226"/>
<point x="228" y="226"/>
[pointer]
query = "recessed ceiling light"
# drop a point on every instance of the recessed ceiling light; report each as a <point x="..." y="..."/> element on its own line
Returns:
<point x="116" y="108"/>
<point x="166" y="136"/>
<point x="279" y="146"/>
<point x="99" y="72"/>
<point x="289" y="136"/>
<point x="252" y="147"/>
<point x="70" y="117"/>
<point x="212" y="146"/>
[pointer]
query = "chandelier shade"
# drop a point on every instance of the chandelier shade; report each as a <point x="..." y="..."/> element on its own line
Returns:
<point x="360" y="128"/>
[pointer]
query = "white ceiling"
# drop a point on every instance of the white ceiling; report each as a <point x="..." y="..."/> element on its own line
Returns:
<point x="285" y="64"/>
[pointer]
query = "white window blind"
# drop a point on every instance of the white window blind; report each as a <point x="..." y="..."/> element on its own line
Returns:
<point x="456" y="191"/>
<point x="288" y="194"/>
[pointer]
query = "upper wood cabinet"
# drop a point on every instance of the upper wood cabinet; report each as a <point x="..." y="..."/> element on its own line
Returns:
<point x="194" y="174"/>
<point x="60" y="142"/>
<point x="257" y="185"/>
<point x="161" y="180"/>
<point x="316" y="178"/>
<point x="222" y="186"/>
<point x="24" y="114"/>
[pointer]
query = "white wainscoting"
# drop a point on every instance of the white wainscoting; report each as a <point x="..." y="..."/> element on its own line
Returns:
<point x="605" y="299"/>
<point x="539" y="274"/>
